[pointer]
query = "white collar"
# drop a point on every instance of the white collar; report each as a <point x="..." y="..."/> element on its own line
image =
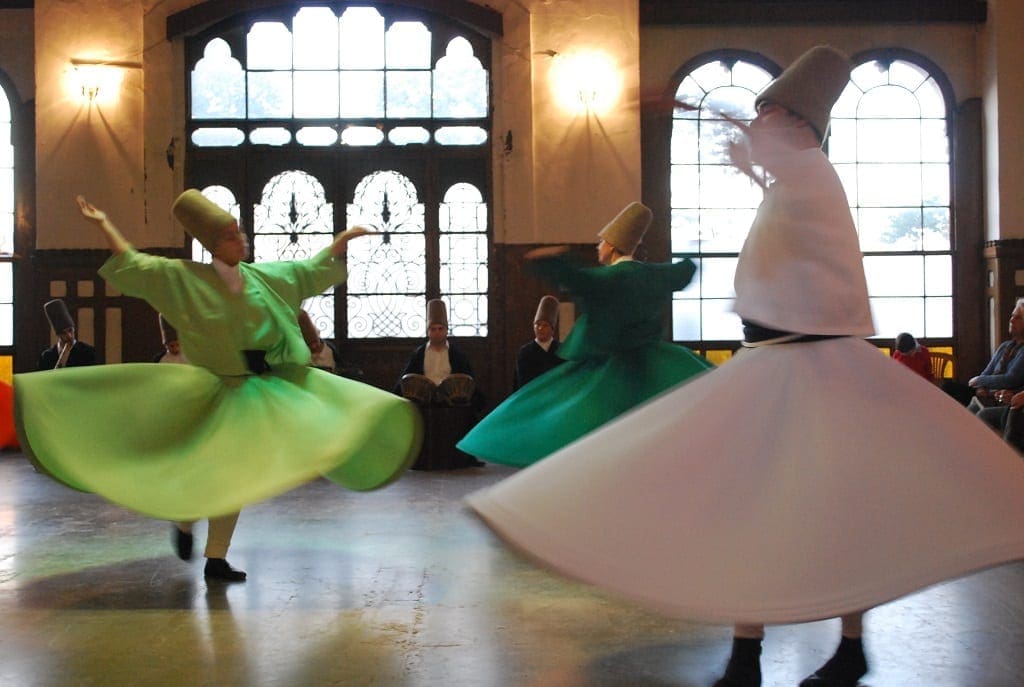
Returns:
<point x="622" y="258"/>
<point x="230" y="275"/>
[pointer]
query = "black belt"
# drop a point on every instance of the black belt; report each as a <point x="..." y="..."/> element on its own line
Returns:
<point x="256" y="361"/>
<point x="755" y="333"/>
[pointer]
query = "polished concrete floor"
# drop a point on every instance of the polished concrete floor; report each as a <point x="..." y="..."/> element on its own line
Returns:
<point x="404" y="587"/>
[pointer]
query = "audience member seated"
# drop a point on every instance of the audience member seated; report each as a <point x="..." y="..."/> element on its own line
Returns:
<point x="914" y="355"/>
<point x="1004" y="373"/>
<point x="171" y="352"/>
<point x="439" y="378"/>
<point x="540" y="355"/>
<point x="68" y="351"/>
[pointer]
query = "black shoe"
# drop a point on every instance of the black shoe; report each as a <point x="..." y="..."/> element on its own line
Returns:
<point x="844" y="669"/>
<point x="744" y="668"/>
<point x="219" y="569"/>
<point x="182" y="542"/>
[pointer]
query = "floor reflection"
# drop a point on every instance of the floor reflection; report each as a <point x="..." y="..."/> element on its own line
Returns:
<point x="403" y="587"/>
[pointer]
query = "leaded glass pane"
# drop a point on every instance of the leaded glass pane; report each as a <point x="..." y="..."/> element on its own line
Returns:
<point x="894" y="275"/>
<point x="938" y="317"/>
<point x="316" y="38"/>
<point x="684" y="147"/>
<point x="362" y="136"/>
<point x="269" y="46"/>
<point x="932" y="102"/>
<point x="463" y="210"/>
<point x="321" y="312"/>
<point x="727" y="187"/>
<point x="889" y="229"/>
<point x="731" y="100"/>
<point x="893" y="140"/>
<point x="270" y="136"/>
<point x="714" y="138"/>
<point x="362" y="38"/>
<point x="293" y="220"/>
<point x="223" y="198"/>
<point x="382" y="315"/>
<point x="684" y="182"/>
<point x="362" y="94"/>
<point x="408" y="94"/>
<point x="270" y="95"/>
<point x="842" y="143"/>
<point x="716" y="277"/>
<point x="467" y="314"/>
<point x="685" y="319"/>
<point x="463" y="263"/>
<point x="689" y="92"/>
<point x="718" y="321"/>
<point x="408" y="46"/>
<point x="869" y="75"/>
<point x="895" y="315"/>
<point x="938" y="275"/>
<point x="889" y="102"/>
<point x="316" y="94"/>
<point x="907" y="75"/>
<point x="386" y="279"/>
<point x="271" y="247"/>
<point x="460" y="83"/>
<point x="935" y="184"/>
<point x="881" y="185"/>
<point x="846" y="105"/>
<point x="685" y="231"/>
<point x="936" y="228"/>
<point x="218" y="84"/>
<point x="392" y="267"/>
<point x="710" y="75"/>
<point x="404" y="135"/>
<point x="316" y="136"/>
<point x="460" y="135"/>
<point x="5" y="111"/>
<point x="724" y="230"/>
<point x="934" y="141"/>
<point x="216" y="137"/>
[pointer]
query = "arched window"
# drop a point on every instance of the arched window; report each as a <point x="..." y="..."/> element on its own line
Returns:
<point x="890" y="146"/>
<point x="712" y="203"/>
<point x="317" y="118"/>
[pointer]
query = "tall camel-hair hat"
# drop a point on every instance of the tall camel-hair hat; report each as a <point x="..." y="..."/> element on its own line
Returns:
<point x="203" y="219"/>
<point x="628" y="227"/>
<point x="810" y="86"/>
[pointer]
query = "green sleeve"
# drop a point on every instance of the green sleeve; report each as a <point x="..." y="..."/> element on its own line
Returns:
<point x="297" y="280"/>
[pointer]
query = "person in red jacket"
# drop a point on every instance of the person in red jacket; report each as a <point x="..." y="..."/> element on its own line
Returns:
<point x="914" y="355"/>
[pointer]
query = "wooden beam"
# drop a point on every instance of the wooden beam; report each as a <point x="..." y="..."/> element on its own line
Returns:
<point x="760" y="12"/>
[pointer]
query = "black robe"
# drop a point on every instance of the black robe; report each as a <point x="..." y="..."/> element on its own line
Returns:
<point x="533" y="361"/>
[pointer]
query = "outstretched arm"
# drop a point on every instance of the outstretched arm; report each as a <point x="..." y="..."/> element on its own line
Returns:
<point x="118" y="243"/>
<point x="340" y="244"/>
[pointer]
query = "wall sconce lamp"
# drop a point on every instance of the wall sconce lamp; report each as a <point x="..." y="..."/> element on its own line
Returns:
<point x="98" y="80"/>
<point x="585" y="82"/>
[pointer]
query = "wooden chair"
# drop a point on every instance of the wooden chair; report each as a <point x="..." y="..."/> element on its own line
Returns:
<point x="940" y="361"/>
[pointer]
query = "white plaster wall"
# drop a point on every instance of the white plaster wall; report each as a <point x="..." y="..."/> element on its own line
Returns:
<point x="565" y="176"/>
<point x="81" y="147"/>
<point x="587" y="166"/>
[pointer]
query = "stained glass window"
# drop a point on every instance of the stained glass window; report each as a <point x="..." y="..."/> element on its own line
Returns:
<point x="336" y="69"/>
<point x="463" y="233"/>
<point x="386" y="276"/>
<point x="890" y="146"/>
<point x="712" y="203"/>
<point x="333" y="116"/>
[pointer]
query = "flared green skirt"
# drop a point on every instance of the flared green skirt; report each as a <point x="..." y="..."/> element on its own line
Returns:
<point x="178" y="442"/>
<point x="575" y="398"/>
